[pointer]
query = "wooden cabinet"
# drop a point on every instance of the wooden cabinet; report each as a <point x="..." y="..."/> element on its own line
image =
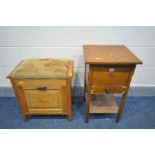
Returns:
<point x="108" y="70"/>
<point x="43" y="89"/>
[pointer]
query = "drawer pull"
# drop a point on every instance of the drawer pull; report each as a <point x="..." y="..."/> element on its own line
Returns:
<point x="107" y="90"/>
<point x="41" y="88"/>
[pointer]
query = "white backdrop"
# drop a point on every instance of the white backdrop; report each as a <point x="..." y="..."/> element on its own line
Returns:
<point x="17" y="43"/>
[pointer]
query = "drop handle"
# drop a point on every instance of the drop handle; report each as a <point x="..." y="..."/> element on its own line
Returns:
<point x="42" y="88"/>
<point x="107" y="90"/>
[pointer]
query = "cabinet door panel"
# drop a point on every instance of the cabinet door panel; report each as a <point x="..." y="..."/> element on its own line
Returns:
<point x="44" y="101"/>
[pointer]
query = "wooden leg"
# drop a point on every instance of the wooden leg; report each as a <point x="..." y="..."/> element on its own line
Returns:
<point x="24" y="117"/>
<point x="20" y="100"/>
<point x="120" y="110"/>
<point x="87" y="107"/>
<point x="70" y="117"/>
<point x="84" y="98"/>
<point x="87" y="93"/>
<point x="87" y="114"/>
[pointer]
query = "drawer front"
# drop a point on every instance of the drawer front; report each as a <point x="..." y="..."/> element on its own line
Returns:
<point x="41" y="84"/>
<point x="47" y="101"/>
<point x="116" y="76"/>
<point x="107" y="89"/>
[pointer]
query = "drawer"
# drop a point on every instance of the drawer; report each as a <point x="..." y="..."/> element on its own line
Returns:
<point x="110" y="75"/>
<point x="108" y="89"/>
<point x="41" y="84"/>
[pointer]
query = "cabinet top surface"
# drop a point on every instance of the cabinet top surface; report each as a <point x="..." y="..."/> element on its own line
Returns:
<point x="109" y="54"/>
<point x="42" y="68"/>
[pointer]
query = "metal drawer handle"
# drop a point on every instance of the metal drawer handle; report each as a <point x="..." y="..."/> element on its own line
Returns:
<point x="107" y="90"/>
<point x="41" y="88"/>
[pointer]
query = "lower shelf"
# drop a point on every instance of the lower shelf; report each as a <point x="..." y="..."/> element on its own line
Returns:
<point x="103" y="103"/>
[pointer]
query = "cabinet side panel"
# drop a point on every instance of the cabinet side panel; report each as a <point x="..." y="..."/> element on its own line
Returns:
<point x="20" y="98"/>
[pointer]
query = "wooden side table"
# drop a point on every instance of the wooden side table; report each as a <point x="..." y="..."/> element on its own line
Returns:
<point x="108" y="70"/>
<point x="42" y="87"/>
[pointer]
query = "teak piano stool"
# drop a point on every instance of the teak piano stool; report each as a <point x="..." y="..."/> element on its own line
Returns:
<point x="108" y="70"/>
<point x="42" y="86"/>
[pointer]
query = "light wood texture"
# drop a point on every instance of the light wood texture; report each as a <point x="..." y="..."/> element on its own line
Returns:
<point x="51" y="99"/>
<point x="20" y="99"/>
<point x="68" y="97"/>
<point x="34" y="84"/>
<point x="109" y="54"/>
<point x="42" y="95"/>
<point x="104" y="103"/>
<point x="42" y="68"/>
<point x="108" y="70"/>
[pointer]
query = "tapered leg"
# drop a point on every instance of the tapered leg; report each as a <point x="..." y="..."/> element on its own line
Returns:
<point x="88" y="96"/>
<point x="120" y="110"/>
<point x="87" y="93"/>
<point x="87" y="114"/>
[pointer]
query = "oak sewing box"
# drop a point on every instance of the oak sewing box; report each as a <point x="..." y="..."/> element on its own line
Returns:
<point x="108" y="70"/>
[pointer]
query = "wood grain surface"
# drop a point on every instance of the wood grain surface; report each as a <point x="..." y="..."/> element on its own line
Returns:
<point x="109" y="54"/>
<point x="43" y="68"/>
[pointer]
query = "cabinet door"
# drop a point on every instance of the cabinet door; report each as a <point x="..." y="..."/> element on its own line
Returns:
<point x="45" y="102"/>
